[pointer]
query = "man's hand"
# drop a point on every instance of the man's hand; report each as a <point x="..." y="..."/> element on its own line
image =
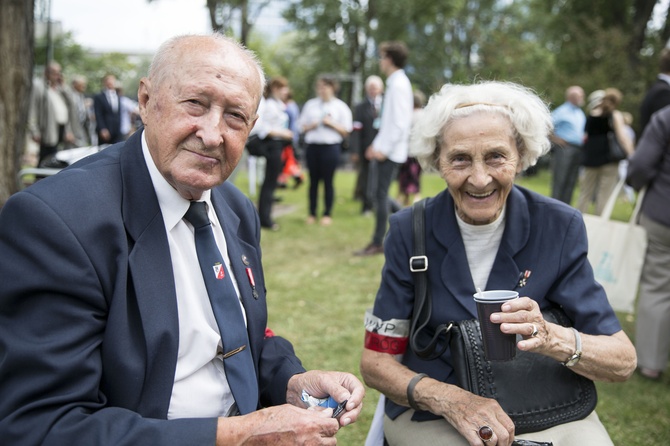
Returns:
<point x="105" y="135"/>
<point x="279" y="425"/>
<point x="372" y="154"/>
<point x="319" y="384"/>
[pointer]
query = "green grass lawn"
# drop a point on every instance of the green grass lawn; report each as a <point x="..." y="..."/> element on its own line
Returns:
<point x="318" y="293"/>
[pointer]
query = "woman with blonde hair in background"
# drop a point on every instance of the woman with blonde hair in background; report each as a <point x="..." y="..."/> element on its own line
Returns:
<point x="601" y="173"/>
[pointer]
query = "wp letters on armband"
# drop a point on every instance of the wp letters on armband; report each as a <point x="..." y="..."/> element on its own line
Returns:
<point x="386" y="336"/>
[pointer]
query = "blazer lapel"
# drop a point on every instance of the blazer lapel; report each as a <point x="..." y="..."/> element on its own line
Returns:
<point x="151" y="277"/>
<point x="454" y="269"/>
<point x="505" y="272"/>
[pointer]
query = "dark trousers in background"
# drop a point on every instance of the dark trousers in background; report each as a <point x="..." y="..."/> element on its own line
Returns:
<point x="322" y="160"/>
<point x="273" y="167"/>
<point x="47" y="151"/>
<point x="384" y="174"/>
<point x="565" y="162"/>
<point x="363" y="189"/>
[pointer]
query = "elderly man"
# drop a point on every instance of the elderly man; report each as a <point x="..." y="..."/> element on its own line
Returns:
<point x="133" y="302"/>
<point x="366" y="125"/>
<point x="49" y="119"/>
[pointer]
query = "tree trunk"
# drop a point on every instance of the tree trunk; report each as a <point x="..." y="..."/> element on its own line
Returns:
<point x="643" y="11"/>
<point x="16" y="50"/>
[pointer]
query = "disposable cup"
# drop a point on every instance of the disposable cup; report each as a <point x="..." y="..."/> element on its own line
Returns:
<point x="498" y="346"/>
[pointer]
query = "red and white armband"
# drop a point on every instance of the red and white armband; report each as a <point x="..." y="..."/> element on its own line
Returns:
<point x="389" y="336"/>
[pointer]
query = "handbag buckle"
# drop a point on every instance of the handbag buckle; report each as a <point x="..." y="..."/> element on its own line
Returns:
<point x="418" y="264"/>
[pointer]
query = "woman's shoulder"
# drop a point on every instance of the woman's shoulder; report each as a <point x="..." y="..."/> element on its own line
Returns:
<point x="536" y="198"/>
<point x="437" y="203"/>
<point x="541" y="206"/>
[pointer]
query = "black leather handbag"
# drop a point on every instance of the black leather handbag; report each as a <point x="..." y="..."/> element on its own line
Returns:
<point x="537" y="392"/>
<point x="616" y="152"/>
<point x="256" y="146"/>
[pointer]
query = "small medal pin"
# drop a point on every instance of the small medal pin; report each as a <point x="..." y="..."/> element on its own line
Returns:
<point x="252" y="282"/>
<point x="523" y="278"/>
<point x="245" y="260"/>
<point x="219" y="271"/>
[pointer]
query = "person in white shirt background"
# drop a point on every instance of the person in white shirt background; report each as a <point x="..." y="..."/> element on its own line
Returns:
<point x="326" y="121"/>
<point x="390" y="147"/>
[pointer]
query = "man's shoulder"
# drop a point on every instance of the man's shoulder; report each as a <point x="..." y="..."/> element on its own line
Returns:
<point x="235" y="198"/>
<point x="660" y="86"/>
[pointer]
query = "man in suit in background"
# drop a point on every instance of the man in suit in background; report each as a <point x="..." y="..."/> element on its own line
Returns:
<point x="658" y="95"/>
<point x="366" y="125"/>
<point x="109" y="331"/>
<point x="108" y="112"/>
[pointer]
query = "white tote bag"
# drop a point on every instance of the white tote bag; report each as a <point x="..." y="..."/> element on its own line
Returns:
<point x="616" y="252"/>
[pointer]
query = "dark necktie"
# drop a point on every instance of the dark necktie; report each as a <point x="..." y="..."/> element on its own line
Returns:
<point x="237" y="360"/>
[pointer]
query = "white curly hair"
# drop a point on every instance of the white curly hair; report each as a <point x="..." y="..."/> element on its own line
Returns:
<point x="528" y="114"/>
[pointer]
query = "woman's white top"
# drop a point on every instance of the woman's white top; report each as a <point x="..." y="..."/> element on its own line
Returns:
<point x="315" y="110"/>
<point x="481" y="247"/>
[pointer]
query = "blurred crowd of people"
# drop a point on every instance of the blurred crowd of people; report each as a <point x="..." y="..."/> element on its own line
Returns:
<point x="375" y="134"/>
<point x="581" y="156"/>
<point x="65" y="115"/>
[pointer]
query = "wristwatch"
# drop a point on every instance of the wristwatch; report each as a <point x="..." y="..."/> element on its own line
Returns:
<point x="577" y="355"/>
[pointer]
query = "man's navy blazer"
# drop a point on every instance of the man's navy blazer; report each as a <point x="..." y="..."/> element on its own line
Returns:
<point x="88" y="310"/>
<point x="657" y="97"/>
<point x="107" y="118"/>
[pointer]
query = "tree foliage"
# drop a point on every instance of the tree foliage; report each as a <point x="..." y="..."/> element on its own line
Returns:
<point x="77" y="60"/>
<point x="545" y="44"/>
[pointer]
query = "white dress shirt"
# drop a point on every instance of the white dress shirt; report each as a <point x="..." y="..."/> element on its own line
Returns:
<point x="112" y="98"/>
<point x="393" y="137"/>
<point x="200" y="385"/>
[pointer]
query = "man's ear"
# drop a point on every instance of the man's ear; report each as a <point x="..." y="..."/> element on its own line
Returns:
<point x="143" y="94"/>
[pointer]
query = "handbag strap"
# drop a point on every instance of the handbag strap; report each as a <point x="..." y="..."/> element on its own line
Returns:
<point x="611" y="201"/>
<point x="418" y="265"/>
<point x="638" y="205"/>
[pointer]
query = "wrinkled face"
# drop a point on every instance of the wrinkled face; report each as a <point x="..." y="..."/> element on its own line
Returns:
<point x="198" y="118"/>
<point x="479" y="160"/>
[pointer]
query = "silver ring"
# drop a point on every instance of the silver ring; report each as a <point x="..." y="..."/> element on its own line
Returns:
<point x="535" y="331"/>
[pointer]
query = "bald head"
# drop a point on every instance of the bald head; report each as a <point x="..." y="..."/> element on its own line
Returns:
<point x="178" y="51"/>
<point x="575" y="95"/>
<point x="374" y="86"/>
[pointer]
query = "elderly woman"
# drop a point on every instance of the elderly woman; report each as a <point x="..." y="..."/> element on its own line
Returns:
<point x="481" y="232"/>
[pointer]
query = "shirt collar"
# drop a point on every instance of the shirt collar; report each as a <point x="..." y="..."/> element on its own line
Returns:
<point x="173" y="206"/>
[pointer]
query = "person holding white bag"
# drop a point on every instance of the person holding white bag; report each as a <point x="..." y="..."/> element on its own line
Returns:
<point x="650" y="166"/>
